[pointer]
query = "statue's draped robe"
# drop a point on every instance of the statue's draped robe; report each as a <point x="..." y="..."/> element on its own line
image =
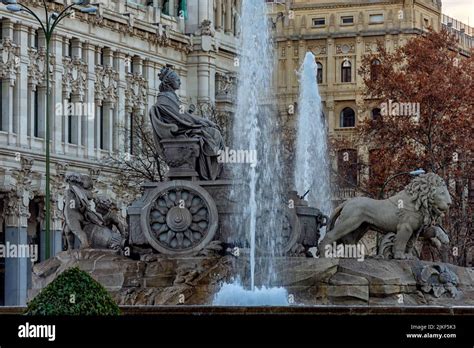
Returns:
<point x="167" y="110"/>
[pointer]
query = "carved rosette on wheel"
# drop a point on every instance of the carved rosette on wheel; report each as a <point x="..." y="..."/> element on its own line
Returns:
<point x="179" y="218"/>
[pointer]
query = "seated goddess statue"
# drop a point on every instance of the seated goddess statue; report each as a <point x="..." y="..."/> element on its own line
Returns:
<point x="169" y="111"/>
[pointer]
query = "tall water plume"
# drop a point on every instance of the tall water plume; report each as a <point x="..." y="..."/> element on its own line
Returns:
<point x="312" y="161"/>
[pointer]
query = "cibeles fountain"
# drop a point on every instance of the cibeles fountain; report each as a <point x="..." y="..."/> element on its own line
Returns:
<point x="221" y="233"/>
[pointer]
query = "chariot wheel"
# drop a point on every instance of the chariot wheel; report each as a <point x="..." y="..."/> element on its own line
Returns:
<point x="179" y="218"/>
<point x="286" y="240"/>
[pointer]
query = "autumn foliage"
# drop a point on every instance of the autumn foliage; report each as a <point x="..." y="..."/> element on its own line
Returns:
<point x="425" y="90"/>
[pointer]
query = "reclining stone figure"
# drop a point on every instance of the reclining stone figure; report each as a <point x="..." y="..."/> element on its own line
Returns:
<point x="420" y="205"/>
<point x="83" y="222"/>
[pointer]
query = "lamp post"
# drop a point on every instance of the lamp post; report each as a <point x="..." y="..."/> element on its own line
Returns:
<point x="51" y="21"/>
<point x="390" y="178"/>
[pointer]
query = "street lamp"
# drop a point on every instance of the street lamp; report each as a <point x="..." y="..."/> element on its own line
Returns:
<point x="52" y="20"/>
<point x="416" y="172"/>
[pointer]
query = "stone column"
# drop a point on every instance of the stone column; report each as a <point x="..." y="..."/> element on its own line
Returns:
<point x="16" y="268"/>
<point x="119" y="137"/>
<point x="55" y="242"/>
<point x="8" y="82"/>
<point x="88" y="120"/>
<point x="108" y="124"/>
<point x="58" y="121"/>
<point x="218" y="20"/>
<point x="330" y="72"/>
<point x="21" y="86"/>
<point x="41" y="126"/>
<point x="31" y="109"/>
<point x="204" y="8"/>
<point x="172" y="7"/>
<point x="7" y="105"/>
<point x="228" y="16"/>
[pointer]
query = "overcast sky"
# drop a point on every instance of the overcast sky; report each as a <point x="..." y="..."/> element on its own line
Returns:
<point x="462" y="10"/>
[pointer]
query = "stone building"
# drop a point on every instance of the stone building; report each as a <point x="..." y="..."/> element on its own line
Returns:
<point x="340" y="33"/>
<point x="106" y="64"/>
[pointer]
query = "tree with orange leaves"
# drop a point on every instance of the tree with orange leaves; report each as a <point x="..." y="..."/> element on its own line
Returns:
<point x="425" y="92"/>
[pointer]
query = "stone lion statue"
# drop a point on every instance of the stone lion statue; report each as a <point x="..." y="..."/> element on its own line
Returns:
<point x="420" y="205"/>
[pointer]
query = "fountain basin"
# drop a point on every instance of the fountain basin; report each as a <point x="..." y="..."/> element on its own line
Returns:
<point x="309" y="281"/>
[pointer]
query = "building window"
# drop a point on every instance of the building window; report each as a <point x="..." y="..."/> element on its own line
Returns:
<point x="319" y="73"/>
<point x="1" y="104"/>
<point x="319" y="22"/>
<point x="36" y="113"/>
<point x="102" y="128"/>
<point x="376" y="114"/>
<point x="346" y="20"/>
<point x="347" y="167"/>
<point x="36" y="39"/>
<point x="346" y="71"/>
<point x="374" y="69"/>
<point x="376" y="18"/>
<point x="132" y="138"/>
<point x="347" y="118"/>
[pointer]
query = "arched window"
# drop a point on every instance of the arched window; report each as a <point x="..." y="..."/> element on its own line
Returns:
<point x="346" y="71"/>
<point x="374" y="69"/>
<point x="319" y="72"/>
<point x="347" y="167"/>
<point x="376" y="113"/>
<point x="347" y="118"/>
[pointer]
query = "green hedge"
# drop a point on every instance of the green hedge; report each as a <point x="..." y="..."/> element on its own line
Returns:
<point x="73" y="292"/>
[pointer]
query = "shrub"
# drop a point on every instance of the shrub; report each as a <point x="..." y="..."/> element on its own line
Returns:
<point x="73" y="292"/>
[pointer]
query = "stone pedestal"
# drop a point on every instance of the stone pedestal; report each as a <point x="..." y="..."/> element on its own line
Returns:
<point x="181" y="156"/>
<point x="310" y="281"/>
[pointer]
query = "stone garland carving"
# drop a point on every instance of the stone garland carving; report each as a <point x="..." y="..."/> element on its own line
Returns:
<point x="438" y="279"/>
<point x="319" y="50"/>
<point x="345" y="48"/>
<point x="226" y="85"/>
<point x="9" y="60"/>
<point x="19" y="198"/>
<point x="75" y="75"/>
<point x="162" y="36"/>
<point x="36" y="66"/>
<point x="106" y="84"/>
<point x="371" y="47"/>
<point x="136" y="91"/>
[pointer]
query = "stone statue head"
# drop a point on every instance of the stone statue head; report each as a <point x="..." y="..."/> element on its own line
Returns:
<point x="80" y="179"/>
<point x="170" y="80"/>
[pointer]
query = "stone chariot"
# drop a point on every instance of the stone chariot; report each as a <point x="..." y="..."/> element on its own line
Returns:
<point x="184" y="214"/>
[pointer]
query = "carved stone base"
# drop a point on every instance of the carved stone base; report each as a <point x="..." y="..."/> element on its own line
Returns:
<point x="311" y="281"/>
<point x="181" y="156"/>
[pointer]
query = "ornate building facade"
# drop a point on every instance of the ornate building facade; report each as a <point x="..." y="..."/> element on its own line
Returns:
<point x="104" y="70"/>
<point x="339" y="33"/>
